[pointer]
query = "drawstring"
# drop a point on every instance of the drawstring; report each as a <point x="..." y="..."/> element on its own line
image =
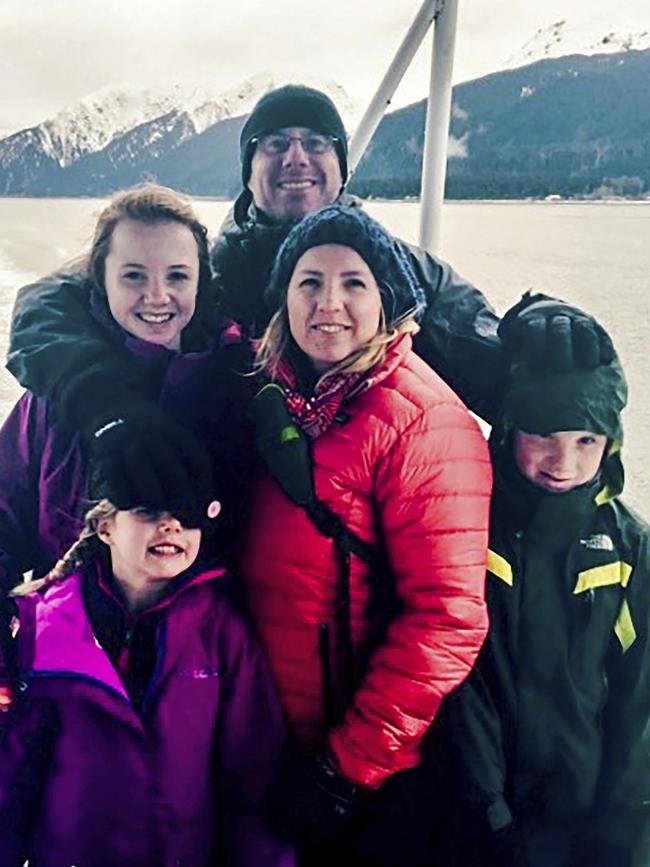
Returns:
<point x="344" y="645"/>
<point x="347" y="543"/>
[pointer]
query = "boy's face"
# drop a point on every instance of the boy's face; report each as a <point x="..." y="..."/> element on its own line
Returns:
<point x="560" y="461"/>
<point x="148" y="549"/>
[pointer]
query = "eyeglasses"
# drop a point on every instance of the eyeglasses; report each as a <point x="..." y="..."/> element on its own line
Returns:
<point x="275" y="143"/>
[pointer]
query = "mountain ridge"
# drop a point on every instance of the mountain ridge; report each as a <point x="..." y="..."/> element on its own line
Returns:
<point x="574" y="125"/>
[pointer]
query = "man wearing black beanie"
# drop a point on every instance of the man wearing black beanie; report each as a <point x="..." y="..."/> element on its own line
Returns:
<point x="294" y="153"/>
<point x="293" y="150"/>
<point x="293" y="106"/>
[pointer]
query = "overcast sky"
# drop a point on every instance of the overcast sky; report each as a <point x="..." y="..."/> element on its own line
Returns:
<point x="54" y="51"/>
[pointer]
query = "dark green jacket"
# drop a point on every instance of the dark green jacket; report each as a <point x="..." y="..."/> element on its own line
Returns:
<point x="553" y="726"/>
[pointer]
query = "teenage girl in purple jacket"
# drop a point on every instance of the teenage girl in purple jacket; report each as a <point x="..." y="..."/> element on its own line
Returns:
<point x="149" y="288"/>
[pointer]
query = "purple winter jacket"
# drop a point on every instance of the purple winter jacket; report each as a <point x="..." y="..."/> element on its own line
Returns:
<point x="87" y="781"/>
<point x="42" y="465"/>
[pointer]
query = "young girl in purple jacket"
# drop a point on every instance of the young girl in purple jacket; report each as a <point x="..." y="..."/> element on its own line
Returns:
<point x="146" y="729"/>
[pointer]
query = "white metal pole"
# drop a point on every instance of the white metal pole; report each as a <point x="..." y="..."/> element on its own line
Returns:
<point x="394" y="74"/>
<point x="436" y="135"/>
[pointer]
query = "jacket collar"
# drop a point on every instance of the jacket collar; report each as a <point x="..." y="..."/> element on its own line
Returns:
<point x="245" y="215"/>
<point x="395" y="356"/>
<point x="64" y="641"/>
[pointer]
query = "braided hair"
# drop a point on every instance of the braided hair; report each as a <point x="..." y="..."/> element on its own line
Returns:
<point x="78" y="555"/>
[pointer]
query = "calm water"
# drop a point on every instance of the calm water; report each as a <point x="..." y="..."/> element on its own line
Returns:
<point x="595" y="255"/>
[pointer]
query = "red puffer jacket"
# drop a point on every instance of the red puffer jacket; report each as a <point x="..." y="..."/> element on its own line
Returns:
<point x="411" y="465"/>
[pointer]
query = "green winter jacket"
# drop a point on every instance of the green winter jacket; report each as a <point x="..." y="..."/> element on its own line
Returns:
<point x="552" y="729"/>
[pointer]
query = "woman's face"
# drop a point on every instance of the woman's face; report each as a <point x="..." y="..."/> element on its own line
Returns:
<point x="334" y="304"/>
<point x="151" y="278"/>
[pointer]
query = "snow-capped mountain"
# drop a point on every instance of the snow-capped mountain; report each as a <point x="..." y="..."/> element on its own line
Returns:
<point x="91" y="123"/>
<point x="572" y="126"/>
<point x="30" y="158"/>
<point x="554" y="122"/>
<point x="566" y="37"/>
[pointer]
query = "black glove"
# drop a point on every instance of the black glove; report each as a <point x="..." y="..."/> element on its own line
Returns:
<point x="99" y="392"/>
<point x="549" y="335"/>
<point x="311" y="803"/>
<point x="139" y="457"/>
<point x="146" y="459"/>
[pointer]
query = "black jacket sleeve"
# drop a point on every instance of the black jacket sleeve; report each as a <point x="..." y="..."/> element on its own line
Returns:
<point x="474" y="752"/>
<point x="458" y="336"/>
<point x="54" y="335"/>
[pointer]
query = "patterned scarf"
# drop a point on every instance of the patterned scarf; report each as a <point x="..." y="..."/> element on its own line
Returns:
<point x="315" y="414"/>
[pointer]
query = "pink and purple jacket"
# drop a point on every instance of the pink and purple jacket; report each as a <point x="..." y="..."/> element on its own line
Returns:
<point x="86" y="780"/>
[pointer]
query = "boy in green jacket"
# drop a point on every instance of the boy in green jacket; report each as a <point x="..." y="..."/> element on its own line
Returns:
<point x="548" y="741"/>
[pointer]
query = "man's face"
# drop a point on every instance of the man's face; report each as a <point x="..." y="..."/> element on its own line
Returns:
<point x="288" y="186"/>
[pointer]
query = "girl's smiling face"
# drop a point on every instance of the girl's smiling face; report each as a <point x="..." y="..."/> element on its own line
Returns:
<point x="151" y="279"/>
<point x="147" y="551"/>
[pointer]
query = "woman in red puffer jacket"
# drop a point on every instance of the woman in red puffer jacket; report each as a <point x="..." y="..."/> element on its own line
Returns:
<point x="397" y="457"/>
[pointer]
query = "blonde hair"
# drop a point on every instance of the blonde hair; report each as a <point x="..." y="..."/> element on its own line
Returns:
<point x="78" y="555"/>
<point x="277" y="339"/>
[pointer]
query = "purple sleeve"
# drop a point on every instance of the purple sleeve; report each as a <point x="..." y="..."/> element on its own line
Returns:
<point x="22" y="439"/>
<point x="251" y="739"/>
<point x="25" y="741"/>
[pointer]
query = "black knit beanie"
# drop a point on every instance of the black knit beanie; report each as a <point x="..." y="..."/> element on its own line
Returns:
<point x="293" y="105"/>
<point x="348" y="226"/>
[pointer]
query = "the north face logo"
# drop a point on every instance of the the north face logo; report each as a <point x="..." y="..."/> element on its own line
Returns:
<point x="599" y="542"/>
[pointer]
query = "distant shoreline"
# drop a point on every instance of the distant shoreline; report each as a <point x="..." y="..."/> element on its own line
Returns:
<point x="611" y="200"/>
<point x="549" y="200"/>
